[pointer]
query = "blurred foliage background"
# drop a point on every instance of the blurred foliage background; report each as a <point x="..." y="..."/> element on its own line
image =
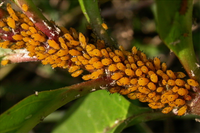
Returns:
<point x="131" y="23"/>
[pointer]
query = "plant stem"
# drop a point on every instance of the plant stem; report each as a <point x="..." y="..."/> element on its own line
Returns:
<point x="91" y="11"/>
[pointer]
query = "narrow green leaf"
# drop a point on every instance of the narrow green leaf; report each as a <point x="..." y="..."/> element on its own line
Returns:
<point x="26" y="114"/>
<point x="103" y="112"/>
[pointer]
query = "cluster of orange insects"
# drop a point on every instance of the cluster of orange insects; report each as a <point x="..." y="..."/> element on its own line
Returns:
<point x="132" y="73"/>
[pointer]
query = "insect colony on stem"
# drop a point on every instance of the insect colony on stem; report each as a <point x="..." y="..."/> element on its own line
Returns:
<point x="132" y="72"/>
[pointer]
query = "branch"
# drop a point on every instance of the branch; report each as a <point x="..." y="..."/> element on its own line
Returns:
<point x="92" y="13"/>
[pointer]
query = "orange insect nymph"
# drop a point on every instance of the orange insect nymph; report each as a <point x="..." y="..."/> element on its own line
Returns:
<point x="117" y="75"/>
<point x="24" y="26"/>
<point x="151" y="94"/>
<point x="74" y="52"/>
<point x="124" y="91"/>
<point x="112" y="67"/>
<point x="62" y="52"/>
<point x="143" y="57"/>
<point x="93" y="60"/>
<point x="73" y="69"/>
<point x="74" y="43"/>
<point x="132" y="96"/>
<point x="12" y="12"/>
<point x="121" y="66"/>
<point x="192" y="82"/>
<point x="144" y="69"/>
<point x="17" y="37"/>
<point x="171" y="74"/>
<point x="131" y="59"/>
<point x="4" y="62"/>
<point x="133" y="88"/>
<point x="182" y="110"/>
<point x="97" y="65"/>
<point x="134" y="81"/>
<point x="89" y="67"/>
<point x="140" y="63"/>
<point x="180" y="82"/>
<point x="77" y="73"/>
<point x="134" y="50"/>
<point x="2" y="24"/>
<point x="165" y="77"/>
<point x="115" y="89"/>
<point x="172" y="97"/>
<point x="182" y="91"/>
<point x="179" y="102"/>
<point x="144" y="90"/>
<point x="106" y="61"/>
<point x="86" y="56"/>
<point x="171" y="82"/>
<point x="64" y="46"/>
<point x="159" y="72"/>
<point x="97" y="53"/>
<point x="90" y="47"/>
<point x="119" y="53"/>
<point x="68" y="37"/>
<point x="116" y="59"/>
<point x="164" y="67"/>
<point x="82" y="40"/>
<point x="180" y="75"/>
<point x="157" y="63"/>
<point x="167" y="110"/>
<point x="104" y="53"/>
<point x="11" y="22"/>
<point x="150" y="65"/>
<point x="175" y="89"/>
<point x="104" y="26"/>
<point x="151" y="86"/>
<point x="154" y="78"/>
<point x="143" y="81"/>
<point x="123" y="81"/>
<point x="97" y="73"/>
<point x="159" y="89"/>
<point x="134" y="66"/>
<point x="129" y="72"/>
<point x="138" y="72"/>
<point x="25" y="7"/>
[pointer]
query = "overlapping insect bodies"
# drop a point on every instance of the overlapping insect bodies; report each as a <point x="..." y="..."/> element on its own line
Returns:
<point x="132" y="73"/>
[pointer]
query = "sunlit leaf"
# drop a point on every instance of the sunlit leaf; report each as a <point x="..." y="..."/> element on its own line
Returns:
<point x="26" y="114"/>
<point x="103" y="112"/>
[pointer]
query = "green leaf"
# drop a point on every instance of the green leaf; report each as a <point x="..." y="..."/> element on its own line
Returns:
<point x="174" y="24"/>
<point x="103" y="112"/>
<point x="26" y="114"/>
